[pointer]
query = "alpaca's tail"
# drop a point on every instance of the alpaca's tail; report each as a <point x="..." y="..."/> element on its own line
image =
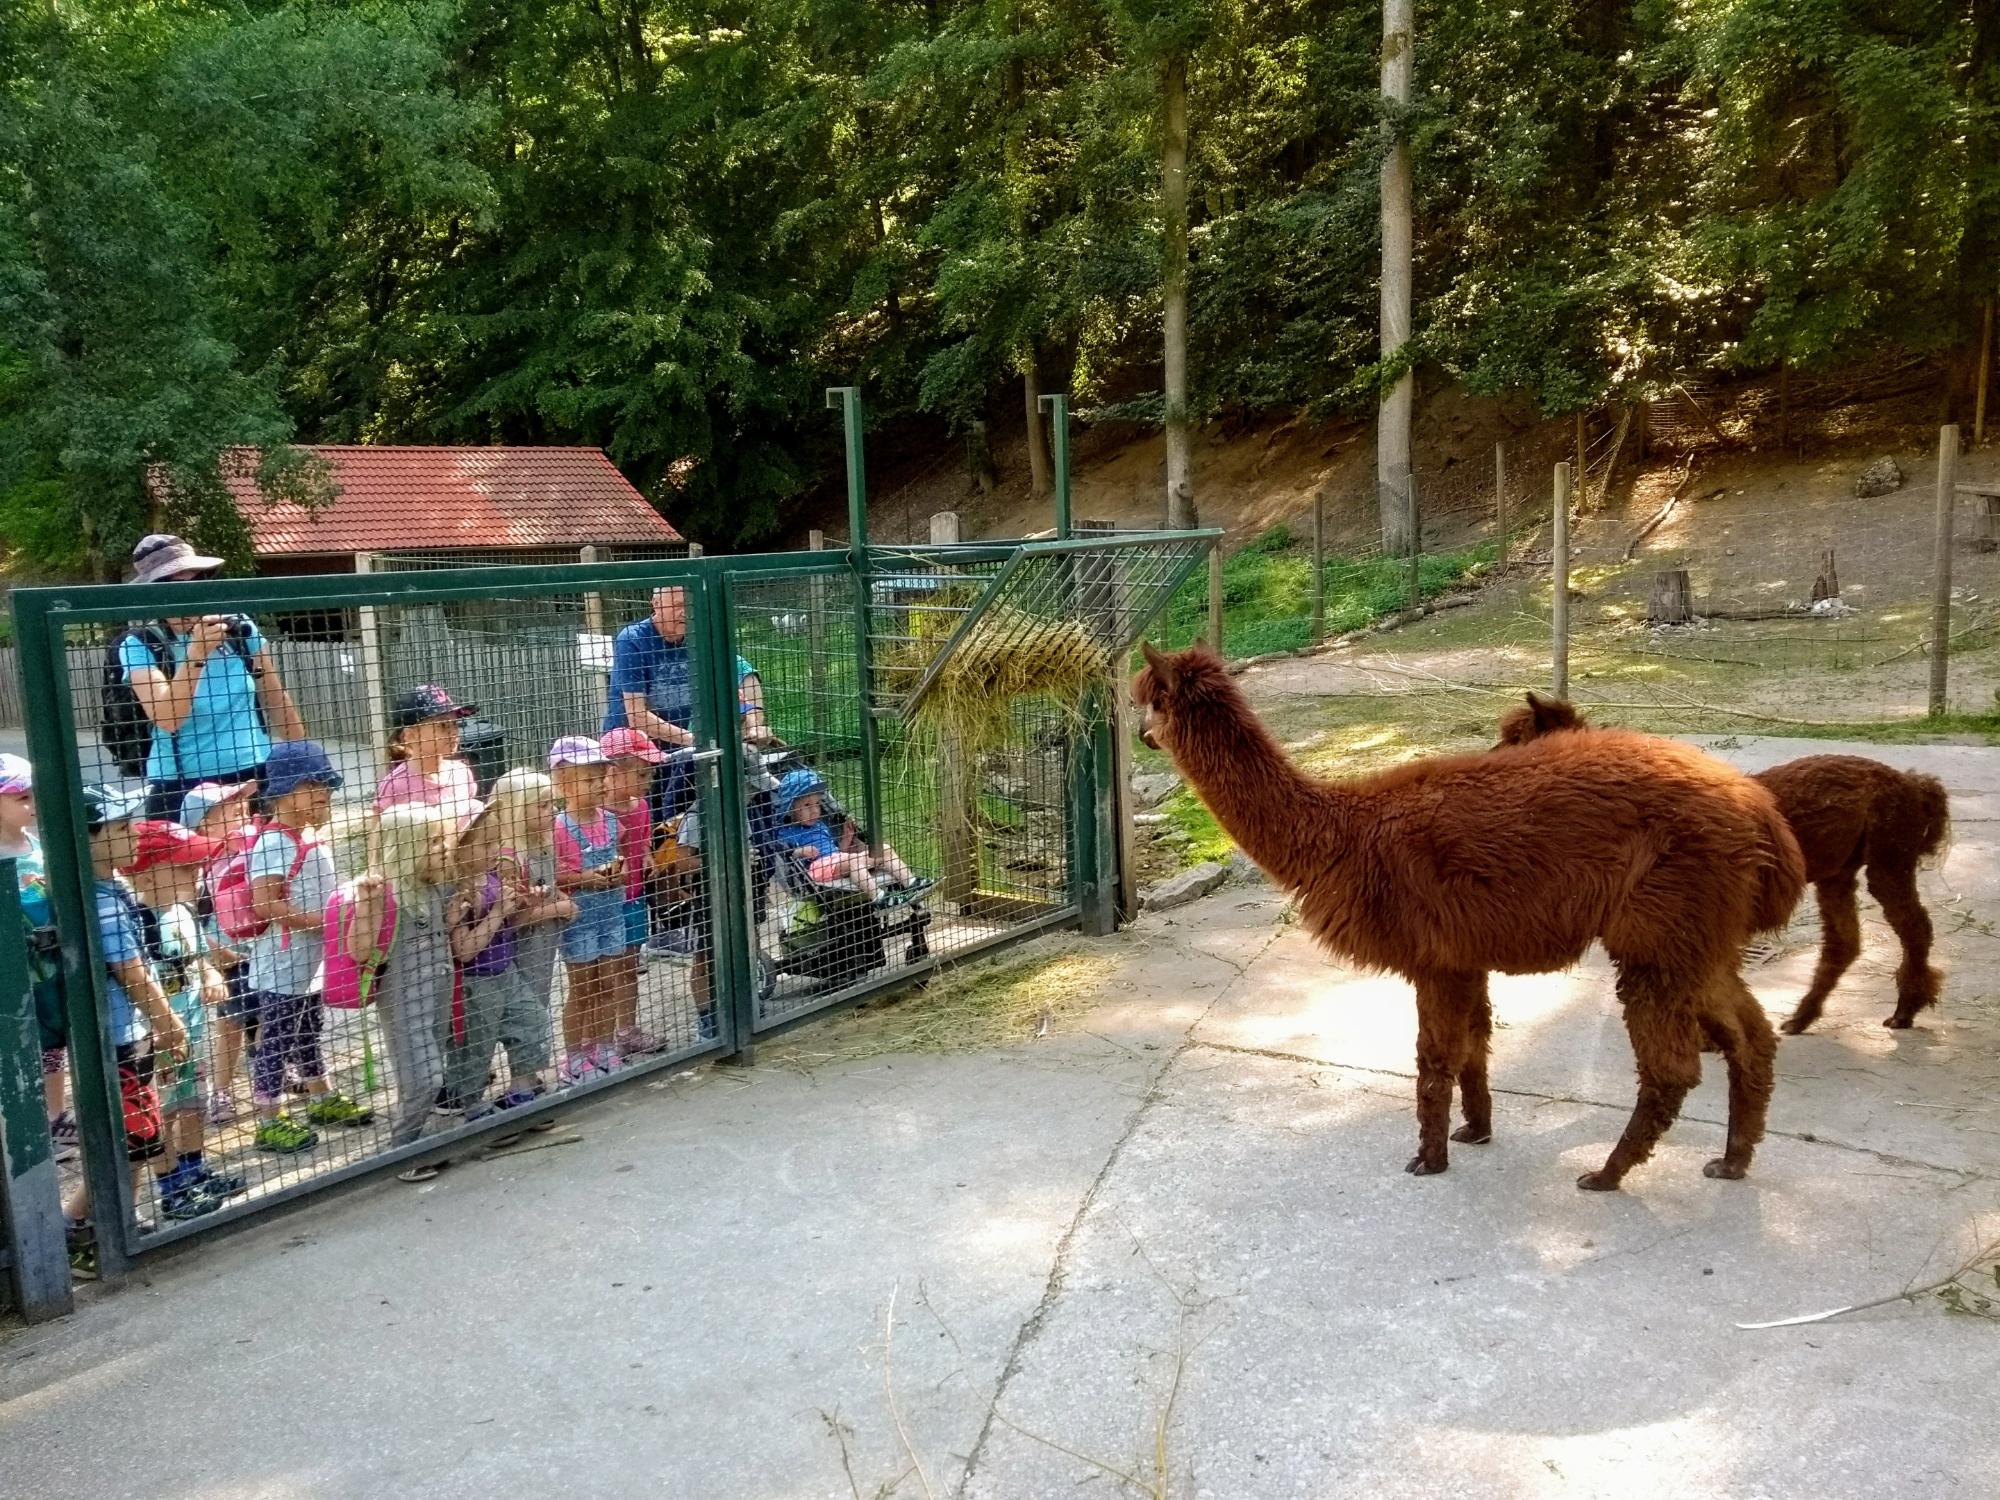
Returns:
<point x="1931" y="827"/>
<point x="1781" y="870"/>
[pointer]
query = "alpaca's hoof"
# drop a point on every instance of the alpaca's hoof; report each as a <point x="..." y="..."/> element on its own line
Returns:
<point x="1418" y="1167"/>
<point x="1723" y="1167"/>
<point x="1473" y="1135"/>
<point x="1797" y="1027"/>
<point x="1899" y="1021"/>
<point x="1598" y="1182"/>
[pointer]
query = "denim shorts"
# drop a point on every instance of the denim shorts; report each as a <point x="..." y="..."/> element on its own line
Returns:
<point x="598" y="930"/>
<point x="635" y="921"/>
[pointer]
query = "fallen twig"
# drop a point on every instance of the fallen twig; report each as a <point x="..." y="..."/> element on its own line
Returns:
<point x="1972" y="1262"/>
<point x="889" y="1384"/>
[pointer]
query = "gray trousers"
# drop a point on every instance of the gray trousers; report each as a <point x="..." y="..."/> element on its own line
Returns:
<point x="416" y="1062"/>
<point x="501" y="1010"/>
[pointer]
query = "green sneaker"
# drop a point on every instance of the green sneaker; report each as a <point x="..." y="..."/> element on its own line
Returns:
<point x="338" y="1109"/>
<point x="285" y="1134"/>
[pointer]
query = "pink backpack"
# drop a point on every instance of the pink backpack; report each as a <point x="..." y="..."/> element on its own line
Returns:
<point x="350" y="984"/>
<point x="235" y="908"/>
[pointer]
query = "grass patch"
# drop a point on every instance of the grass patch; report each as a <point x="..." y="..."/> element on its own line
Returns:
<point x="1267" y="593"/>
<point x="1001" y="1003"/>
<point x="1189" y="816"/>
<point x="1906" y="731"/>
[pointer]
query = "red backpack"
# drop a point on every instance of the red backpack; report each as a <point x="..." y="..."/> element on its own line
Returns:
<point x="235" y="908"/>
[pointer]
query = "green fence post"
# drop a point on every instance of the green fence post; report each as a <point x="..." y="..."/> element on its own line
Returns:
<point x="732" y="985"/>
<point x="93" y="1075"/>
<point x="1058" y="409"/>
<point x="848" y="399"/>
<point x="30" y="1197"/>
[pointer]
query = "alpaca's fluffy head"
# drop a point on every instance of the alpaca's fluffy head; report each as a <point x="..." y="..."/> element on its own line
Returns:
<point x="1537" y="717"/>
<point x="1170" y="685"/>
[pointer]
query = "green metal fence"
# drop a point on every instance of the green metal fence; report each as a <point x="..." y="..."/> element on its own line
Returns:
<point x="801" y="849"/>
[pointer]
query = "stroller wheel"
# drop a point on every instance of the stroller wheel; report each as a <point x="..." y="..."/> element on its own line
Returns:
<point x="919" y="949"/>
<point x="767" y="979"/>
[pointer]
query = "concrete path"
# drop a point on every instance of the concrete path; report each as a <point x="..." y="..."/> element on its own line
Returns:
<point x="1171" y="1252"/>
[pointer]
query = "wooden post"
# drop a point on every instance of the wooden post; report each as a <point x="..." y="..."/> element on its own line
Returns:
<point x="373" y="687"/>
<point x="1947" y="500"/>
<point x="1500" y="502"/>
<point x="1215" y="597"/>
<point x="1099" y="604"/>
<point x="1559" y="575"/>
<point x="1319" y="566"/>
<point x="694" y="549"/>
<point x="593" y="619"/>
<point x="816" y="643"/>
<point x="1985" y="375"/>
<point x="1580" y="478"/>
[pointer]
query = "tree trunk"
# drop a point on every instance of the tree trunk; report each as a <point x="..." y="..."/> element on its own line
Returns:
<point x="1827" y="584"/>
<point x="1038" y="434"/>
<point x="979" y="459"/>
<point x="1173" y="286"/>
<point x="1672" y="602"/>
<point x="1394" y="496"/>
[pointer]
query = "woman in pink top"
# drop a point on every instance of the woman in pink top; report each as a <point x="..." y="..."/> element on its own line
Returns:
<point x="630" y="757"/>
<point x="424" y="745"/>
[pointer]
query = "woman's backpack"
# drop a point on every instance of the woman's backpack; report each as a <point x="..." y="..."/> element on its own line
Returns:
<point x="122" y="723"/>
<point x="350" y="983"/>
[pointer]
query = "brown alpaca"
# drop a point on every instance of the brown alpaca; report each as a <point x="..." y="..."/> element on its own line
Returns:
<point x="1848" y="813"/>
<point x="1515" y="860"/>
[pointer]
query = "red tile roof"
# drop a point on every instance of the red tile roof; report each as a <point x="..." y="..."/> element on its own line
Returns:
<point x="427" y="499"/>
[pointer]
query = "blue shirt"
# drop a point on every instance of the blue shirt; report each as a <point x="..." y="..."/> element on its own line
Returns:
<point x="814" y="836"/>
<point x="122" y="937"/>
<point x="33" y="877"/>
<point x="222" y="733"/>
<point x="642" y="662"/>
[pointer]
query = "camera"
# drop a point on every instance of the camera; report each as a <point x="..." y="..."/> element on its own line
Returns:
<point x="239" y="628"/>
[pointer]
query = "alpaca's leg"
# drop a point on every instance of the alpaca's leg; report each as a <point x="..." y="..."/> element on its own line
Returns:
<point x="1916" y="981"/>
<point x="1474" y="1097"/>
<point x="1666" y="1042"/>
<point x="1742" y="1033"/>
<point x="1441" y="1028"/>
<point x="1839" y="946"/>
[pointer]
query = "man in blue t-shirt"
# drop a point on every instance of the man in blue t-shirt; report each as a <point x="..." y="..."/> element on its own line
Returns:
<point x="207" y="685"/>
<point x="652" y="678"/>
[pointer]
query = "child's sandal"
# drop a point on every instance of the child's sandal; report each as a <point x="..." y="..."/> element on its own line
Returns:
<point x="422" y="1172"/>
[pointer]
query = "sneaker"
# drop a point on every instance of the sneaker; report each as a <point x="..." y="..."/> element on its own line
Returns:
<point x="221" y="1108"/>
<point x="338" y="1109"/>
<point x="283" y="1133"/>
<point x="190" y="1202"/>
<point x="177" y="1180"/>
<point x="705" y="1027"/>
<point x="516" y="1098"/>
<point x="64" y="1135"/>
<point x="604" y="1057"/>
<point x="632" y="1042"/>
<point x="579" y="1066"/>
<point x="80" y="1240"/>
<point x="675" y="945"/>
<point x="448" y="1103"/>
<point x="221" y="1186"/>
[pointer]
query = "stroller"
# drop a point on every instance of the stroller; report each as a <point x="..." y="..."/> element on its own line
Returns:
<point x="827" y="932"/>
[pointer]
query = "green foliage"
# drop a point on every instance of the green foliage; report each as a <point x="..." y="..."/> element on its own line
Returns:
<point x="663" y="226"/>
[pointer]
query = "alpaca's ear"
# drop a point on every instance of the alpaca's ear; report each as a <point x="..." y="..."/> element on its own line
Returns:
<point x="1536" y="702"/>
<point x="1163" y="666"/>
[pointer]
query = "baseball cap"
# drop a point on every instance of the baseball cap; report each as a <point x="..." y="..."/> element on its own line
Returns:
<point x="162" y="555"/>
<point x="206" y="798"/>
<point x="293" y="763"/>
<point x="575" y="750"/>
<point x="17" y="776"/>
<point x="420" y="705"/>
<point x="163" y="843"/>
<point x="104" y="804"/>
<point x="620" y="743"/>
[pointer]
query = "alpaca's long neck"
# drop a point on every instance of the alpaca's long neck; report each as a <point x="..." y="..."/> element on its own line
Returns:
<point x="1290" y="823"/>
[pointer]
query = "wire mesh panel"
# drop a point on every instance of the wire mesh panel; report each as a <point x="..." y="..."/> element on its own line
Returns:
<point x="332" y="931"/>
<point x="967" y="843"/>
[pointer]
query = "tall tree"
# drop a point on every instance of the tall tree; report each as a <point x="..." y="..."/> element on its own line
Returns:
<point x="1395" y="486"/>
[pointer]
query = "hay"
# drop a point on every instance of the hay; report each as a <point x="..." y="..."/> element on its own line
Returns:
<point x="1008" y="657"/>
<point x="965" y="1009"/>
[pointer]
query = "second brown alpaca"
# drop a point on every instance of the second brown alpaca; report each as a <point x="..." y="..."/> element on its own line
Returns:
<point x="1849" y="813"/>
<point x="1449" y="867"/>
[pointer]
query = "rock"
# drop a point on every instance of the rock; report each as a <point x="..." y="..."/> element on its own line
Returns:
<point x="1155" y="787"/>
<point x="1179" y="890"/>
<point x="1883" y="477"/>
<point x="1242" y="867"/>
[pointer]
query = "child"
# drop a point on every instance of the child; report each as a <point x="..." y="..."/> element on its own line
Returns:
<point x="404" y="911"/>
<point x="18" y="843"/>
<point x="291" y="877"/>
<point x="222" y="813"/>
<point x="522" y="815"/>
<point x="165" y="872"/>
<point x="424" y="745"/>
<point x="501" y="1004"/>
<point x="144" y="1029"/>
<point x="802" y="826"/>
<point x="630" y="759"/>
<point x="591" y="871"/>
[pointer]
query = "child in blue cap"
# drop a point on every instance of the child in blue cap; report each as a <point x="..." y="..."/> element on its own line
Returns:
<point x="802" y="826"/>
